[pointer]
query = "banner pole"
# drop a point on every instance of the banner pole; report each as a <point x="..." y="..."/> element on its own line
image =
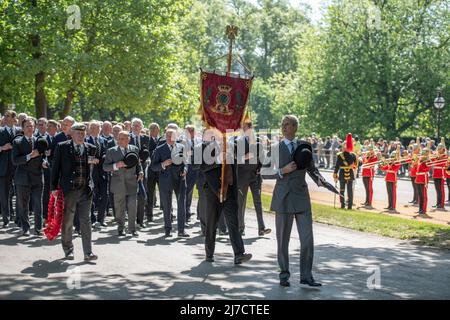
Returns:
<point x="231" y="33"/>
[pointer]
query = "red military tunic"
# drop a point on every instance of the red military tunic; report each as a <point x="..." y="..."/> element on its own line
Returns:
<point x="422" y="178"/>
<point x="369" y="172"/>
<point x="439" y="169"/>
<point x="391" y="171"/>
<point x="422" y="174"/>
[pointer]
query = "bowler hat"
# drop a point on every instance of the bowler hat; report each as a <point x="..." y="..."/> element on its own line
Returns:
<point x="303" y="156"/>
<point x="41" y="145"/>
<point x="144" y="154"/>
<point x="131" y="159"/>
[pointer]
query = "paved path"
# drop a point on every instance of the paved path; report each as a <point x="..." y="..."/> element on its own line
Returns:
<point x="152" y="267"/>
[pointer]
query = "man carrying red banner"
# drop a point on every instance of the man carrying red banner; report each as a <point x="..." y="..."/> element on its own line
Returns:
<point x="368" y="172"/>
<point x="391" y="168"/>
<point x="223" y="103"/>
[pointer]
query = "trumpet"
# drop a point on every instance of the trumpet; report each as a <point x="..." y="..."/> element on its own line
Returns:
<point x="388" y="160"/>
<point x="437" y="162"/>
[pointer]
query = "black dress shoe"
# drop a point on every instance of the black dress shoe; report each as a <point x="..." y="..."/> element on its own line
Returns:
<point x="5" y="225"/>
<point x="209" y="259"/>
<point x="69" y="255"/>
<point x="26" y="233"/>
<point x="311" y="283"/>
<point x="168" y="234"/>
<point x="90" y="256"/>
<point x="150" y="219"/>
<point x="121" y="233"/>
<point x="183" y="235"/>
<point x="264" y="231"/>
<point x="242" y="232"/>
<point x="285" y="283"/>
<point x="242" y="258"/>
<point x="141" y="225"/>
<point x="135" y="234"/>
<point x="223" y="233"/>
<point x="103" y="224"/>
<point x="38" y="233"/>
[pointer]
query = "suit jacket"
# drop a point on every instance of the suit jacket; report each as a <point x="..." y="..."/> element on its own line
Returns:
<point x="61" y="137"/>
<point x="247" y="170"/>
<point x="152" y="145"/>
<point x="27" y="173"/>
<point x="63" y="173"/>
<point x="6" y="165"/>
<point x="161" y="154"/>
<point x="100" y="154"/>
<point x="291" y="194"/>
<point x="51" y="146"/>
<point x="144" y="141"/>
<point x="123" y="180"/>
<point x="212" y="172"/>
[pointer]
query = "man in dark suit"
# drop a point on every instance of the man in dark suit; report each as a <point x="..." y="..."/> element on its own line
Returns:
<point x="99" y="176"/>
<point x="142" y="142"/>
<point x="66" y="125"/>
<point x="250" y="155"/>
<point x="28" y="177"/>
<point x="52" y="128"/>
<point x="111" y="143"/>
<point x="291" y="201"/>
<point x="41" y="130"/>
<point x="70" y="171"/>
<point x="7" y="168"/>
<point x="192" y="171"/>
<point x="107" y="131"/>
<point x="211" y="167"/>
<point x="152" y="176"/>
<point x="169" y="162"/>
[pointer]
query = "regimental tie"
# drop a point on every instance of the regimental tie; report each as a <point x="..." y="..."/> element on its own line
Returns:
<point x="291" y="147"/>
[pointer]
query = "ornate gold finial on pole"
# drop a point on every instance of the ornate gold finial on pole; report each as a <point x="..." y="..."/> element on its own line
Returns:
<point x="231" y="32"/>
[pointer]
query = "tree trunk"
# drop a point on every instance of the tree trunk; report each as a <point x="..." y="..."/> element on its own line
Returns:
<point x="68" y="103"/>
<point x="40" y="101"/>
<point x="2" y="107"/>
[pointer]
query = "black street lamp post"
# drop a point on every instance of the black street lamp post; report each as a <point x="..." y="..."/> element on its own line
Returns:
<point x="439" y="103"/>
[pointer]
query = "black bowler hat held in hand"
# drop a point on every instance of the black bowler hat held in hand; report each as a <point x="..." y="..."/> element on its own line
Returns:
<point x="131" y="159"/>
<point x="41" y="145"/>
<point x="302" y="156"/>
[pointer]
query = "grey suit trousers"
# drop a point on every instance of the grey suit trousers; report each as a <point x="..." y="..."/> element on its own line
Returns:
<point x="79" y="201"/>
<point x="283" y="222"/>
<point x="124" y="202"/>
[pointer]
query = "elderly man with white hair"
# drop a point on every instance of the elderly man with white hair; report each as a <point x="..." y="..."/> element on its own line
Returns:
<point x="172" y="178"/>
<point x="66" y="126"/>
<point x="142" y="141"/>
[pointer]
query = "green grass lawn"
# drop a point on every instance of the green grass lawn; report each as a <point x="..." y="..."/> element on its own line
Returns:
<point x="423" y="233"/>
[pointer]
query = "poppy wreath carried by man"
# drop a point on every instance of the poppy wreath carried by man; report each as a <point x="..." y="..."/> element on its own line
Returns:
<point x="55" y="215"/>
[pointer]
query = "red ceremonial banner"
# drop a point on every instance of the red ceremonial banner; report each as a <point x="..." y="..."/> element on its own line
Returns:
<point x="224" y="100"/>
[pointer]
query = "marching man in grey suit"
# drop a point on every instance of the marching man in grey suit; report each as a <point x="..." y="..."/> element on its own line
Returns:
<point x="291" y="201"/>
<point x="124" y="182"/>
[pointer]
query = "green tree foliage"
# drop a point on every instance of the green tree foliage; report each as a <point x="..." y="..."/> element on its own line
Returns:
<point x="377" y="67"/>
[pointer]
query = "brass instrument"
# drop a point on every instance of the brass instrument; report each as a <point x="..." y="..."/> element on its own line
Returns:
<point x="395" y="160"/>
